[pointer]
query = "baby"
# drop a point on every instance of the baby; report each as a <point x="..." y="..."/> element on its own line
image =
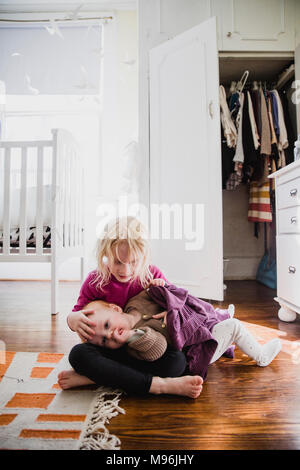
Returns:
<point x="142" y="328"/>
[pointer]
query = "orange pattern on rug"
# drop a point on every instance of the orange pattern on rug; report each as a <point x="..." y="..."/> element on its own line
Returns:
<point x="30" y="400"/>
<point x="6" y="419"/>
<point x="49" y="357"/>
<point x="58" y="417"/>
<point x="49" y="434"/>
<point x="56" y="387"/>
<point x="36" y="414"/>
<point x="41" y="372"/>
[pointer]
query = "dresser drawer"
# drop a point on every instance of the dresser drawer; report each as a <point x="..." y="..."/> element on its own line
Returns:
<point x="288" y="268"/>
<point x="288" y="194"/>
<point x="289" y="220"/>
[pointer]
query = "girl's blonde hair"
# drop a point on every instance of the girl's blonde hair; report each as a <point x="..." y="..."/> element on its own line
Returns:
<point x="133" y="232"/>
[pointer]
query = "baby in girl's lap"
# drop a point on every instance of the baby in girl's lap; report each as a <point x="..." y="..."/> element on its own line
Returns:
<point x="142" y="329"/>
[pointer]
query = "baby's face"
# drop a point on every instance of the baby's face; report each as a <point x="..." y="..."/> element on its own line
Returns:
<point x="113" y="328"/>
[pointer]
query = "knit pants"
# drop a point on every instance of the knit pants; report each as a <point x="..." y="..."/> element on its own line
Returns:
<point x="232" y="331"/>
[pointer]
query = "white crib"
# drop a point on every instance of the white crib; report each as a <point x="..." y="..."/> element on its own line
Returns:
<point x="48" y="194"/>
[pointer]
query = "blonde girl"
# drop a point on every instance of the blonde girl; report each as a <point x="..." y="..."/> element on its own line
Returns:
<point x="123" y="270"/>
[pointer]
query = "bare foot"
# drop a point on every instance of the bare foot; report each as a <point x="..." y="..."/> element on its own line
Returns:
<point x="187" y="385"/>
<point x="70" y="379"/>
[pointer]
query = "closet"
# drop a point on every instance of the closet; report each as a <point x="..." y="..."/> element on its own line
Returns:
<point x="244" y="240"/>
<point x="185" y="168"/>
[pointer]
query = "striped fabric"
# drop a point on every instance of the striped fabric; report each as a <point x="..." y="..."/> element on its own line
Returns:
<point x="259" y="203"/>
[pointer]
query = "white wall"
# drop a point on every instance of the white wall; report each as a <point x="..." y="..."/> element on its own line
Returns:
<point x="120" y="98"/>
<point x="243" y="250"/>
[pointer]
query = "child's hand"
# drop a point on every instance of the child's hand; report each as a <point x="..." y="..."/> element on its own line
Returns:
<point x="157" y="282"/>
<point x="163" y="315"/>
<point x="79" y="322"/>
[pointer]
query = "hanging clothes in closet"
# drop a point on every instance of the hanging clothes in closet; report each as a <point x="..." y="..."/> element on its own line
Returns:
<point x="229" y="137"/>
<point x="254" y="144"/>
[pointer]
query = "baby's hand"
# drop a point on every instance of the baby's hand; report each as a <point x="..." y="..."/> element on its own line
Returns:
<point x="79" y="322"/>
<point x="157" y="282"/>
<point x="163" y="315"/>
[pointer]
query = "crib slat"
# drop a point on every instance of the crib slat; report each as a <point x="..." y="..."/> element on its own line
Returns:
<point x="64" y="190"/>
<point x="81" y="179"/>
<point x="67" y="202"/>
<point x="72" y="197"/>
<point x="81" y="212"/>
<point x="76" y="201"/>
<point x="23" y="202"/>
<point x="39" y="201"/>
<point x="6" y="208"/>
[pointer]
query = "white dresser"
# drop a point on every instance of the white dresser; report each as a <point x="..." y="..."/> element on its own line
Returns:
<point x="287" y="190"/>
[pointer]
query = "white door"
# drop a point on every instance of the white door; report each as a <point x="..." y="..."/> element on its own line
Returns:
<point x="185" y="161"/>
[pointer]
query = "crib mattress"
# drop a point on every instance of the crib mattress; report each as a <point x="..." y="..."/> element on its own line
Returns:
<point x="30" y="237"/>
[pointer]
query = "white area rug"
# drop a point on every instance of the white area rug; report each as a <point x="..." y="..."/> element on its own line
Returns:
<point x="36" y="414"/>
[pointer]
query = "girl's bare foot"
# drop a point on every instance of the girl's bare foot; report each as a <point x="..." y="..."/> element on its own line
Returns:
<point x="70" y="379"/>
<point x="187" y="385"/>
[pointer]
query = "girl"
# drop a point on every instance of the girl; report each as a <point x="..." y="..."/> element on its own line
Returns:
<point x="123" y="271"/>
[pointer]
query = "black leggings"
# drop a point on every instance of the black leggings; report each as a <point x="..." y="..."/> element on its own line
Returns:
<point x="117" y="369"/>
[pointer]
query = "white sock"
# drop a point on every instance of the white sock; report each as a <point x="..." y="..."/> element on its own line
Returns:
<point x="231" y="309"/>
<point x="268" y="352"/>
<point x="262" y="354"/>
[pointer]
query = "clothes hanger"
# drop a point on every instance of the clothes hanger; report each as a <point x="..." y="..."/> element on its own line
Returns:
<point x="255" y="85"/>
<point x="242" y="82"/>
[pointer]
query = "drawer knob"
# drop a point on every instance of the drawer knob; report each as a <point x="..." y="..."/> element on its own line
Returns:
<point x="292" y="269"/>
<point x="293" y="192"/>
<point x="293" y="220"/>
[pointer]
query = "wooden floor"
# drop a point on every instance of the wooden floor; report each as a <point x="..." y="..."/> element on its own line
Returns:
<point x="242" y="406"/>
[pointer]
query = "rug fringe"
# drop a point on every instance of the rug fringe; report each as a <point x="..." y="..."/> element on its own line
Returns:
<point x="95" y="435"/>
